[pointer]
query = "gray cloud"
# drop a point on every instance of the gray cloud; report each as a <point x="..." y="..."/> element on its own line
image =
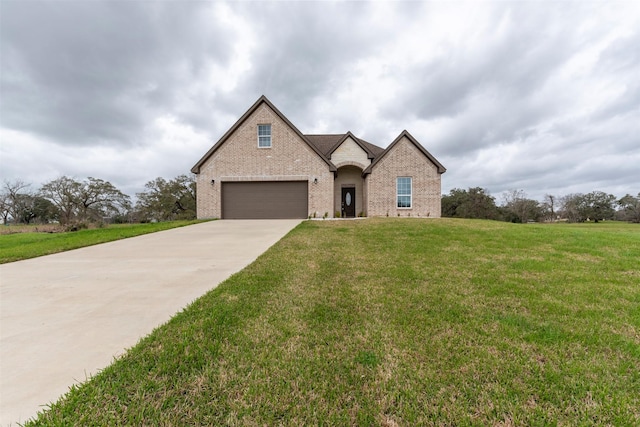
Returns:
<point x="93" y="72"/>
<point x="493" y="89"/>
<point x="311" y="49"/>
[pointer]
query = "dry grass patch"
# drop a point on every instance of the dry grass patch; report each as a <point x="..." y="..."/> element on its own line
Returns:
<point x="40" y="228"/>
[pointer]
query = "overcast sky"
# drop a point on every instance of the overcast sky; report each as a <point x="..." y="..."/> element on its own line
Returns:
<point x="538" y="96"/>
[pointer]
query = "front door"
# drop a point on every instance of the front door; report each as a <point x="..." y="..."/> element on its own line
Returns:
<point x="349" y="202"/>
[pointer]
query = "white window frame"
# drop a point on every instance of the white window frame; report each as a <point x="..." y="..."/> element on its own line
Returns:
<point x="398" y="195"/>
<point x="264" y="136"/>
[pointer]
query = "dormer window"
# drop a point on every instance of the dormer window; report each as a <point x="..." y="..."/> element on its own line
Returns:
<point x="264" y="136"/>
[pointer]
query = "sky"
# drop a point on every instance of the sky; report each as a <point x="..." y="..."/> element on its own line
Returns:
<point x="540" y="96"/>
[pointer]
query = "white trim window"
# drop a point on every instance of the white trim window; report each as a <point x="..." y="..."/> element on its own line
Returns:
<point x="404" y="186"/>
<point x="264" y="136"/>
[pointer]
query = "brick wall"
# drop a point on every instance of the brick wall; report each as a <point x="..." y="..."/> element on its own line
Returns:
<point x="240" y="159"/>
<point x="404" y="160"/>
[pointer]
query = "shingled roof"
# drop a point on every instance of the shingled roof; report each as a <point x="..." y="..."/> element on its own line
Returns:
<point x="323" y="144"/>
<point x="329" y="142"/>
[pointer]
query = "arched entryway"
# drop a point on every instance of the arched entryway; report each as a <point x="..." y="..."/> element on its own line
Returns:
<point x="349" y="192"/>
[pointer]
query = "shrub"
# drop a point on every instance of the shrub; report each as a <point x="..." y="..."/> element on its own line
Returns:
<point x="75" y="226"/>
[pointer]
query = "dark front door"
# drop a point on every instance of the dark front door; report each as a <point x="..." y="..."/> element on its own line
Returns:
<point x="348" y="202"/>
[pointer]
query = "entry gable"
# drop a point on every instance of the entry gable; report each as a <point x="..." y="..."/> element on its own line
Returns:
<point x="349" y="150"/>
<point x="262" y="100"/>
<point x="411" y="139"/>
<point x="355" y="140"/>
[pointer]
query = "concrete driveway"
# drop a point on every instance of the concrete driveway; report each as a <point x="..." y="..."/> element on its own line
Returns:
<point x="64" y="317"/>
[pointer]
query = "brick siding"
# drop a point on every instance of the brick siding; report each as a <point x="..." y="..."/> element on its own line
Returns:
<point x="240" y="159"/>
<point x="404" y="160"/>
<point x="290" y="158"/>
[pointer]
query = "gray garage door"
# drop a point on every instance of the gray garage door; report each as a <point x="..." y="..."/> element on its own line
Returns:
<point x="273" y="199"/>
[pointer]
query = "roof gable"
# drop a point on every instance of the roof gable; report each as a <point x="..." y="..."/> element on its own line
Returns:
<point x="360" y="143"/>
<point x="327" y="143"/>
<point x="349" y="151"/>
<point x="403" y="134"/>
<point x="262" y="100"/>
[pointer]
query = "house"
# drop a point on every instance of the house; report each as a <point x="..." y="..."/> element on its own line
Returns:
<point x="264" y="167"/>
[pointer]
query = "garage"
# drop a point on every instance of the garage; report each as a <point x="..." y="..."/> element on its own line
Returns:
<point x="265" y="200"/>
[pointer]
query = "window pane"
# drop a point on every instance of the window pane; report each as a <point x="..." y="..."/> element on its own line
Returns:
<point x="264" y="141"/>
<point x="404" y="185"/>
<point x="404" y="201"/>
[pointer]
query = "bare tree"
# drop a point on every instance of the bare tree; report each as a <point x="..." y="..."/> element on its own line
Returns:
<point x="62" y="192"/>
<point x="548" y="207"/>
<point x="5" y="207"/>
<point x="89" y="200"/>
<point x="571" y="206"/>
<point x="13" y="199"/>
<point x="98" y="198"/>
<point x="519" y="208"/>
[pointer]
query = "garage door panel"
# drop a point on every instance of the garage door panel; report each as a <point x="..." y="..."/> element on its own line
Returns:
<point x="271" y="199"/>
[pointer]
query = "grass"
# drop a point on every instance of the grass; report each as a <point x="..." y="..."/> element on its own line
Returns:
<point x="395" y="322"/>
<point x="22" y="244"/>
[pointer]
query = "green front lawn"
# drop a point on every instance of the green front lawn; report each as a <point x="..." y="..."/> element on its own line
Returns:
<point x="24" y="245"/>
<point x="396" y="322"/>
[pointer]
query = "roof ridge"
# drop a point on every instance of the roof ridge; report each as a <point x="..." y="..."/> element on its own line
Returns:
<point x="244" y="117"/>
<point x="405" y="133"/>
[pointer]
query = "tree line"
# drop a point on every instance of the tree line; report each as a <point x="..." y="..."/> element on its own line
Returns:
<point x="517" y="207"/>
<point x="75" y="204"/>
